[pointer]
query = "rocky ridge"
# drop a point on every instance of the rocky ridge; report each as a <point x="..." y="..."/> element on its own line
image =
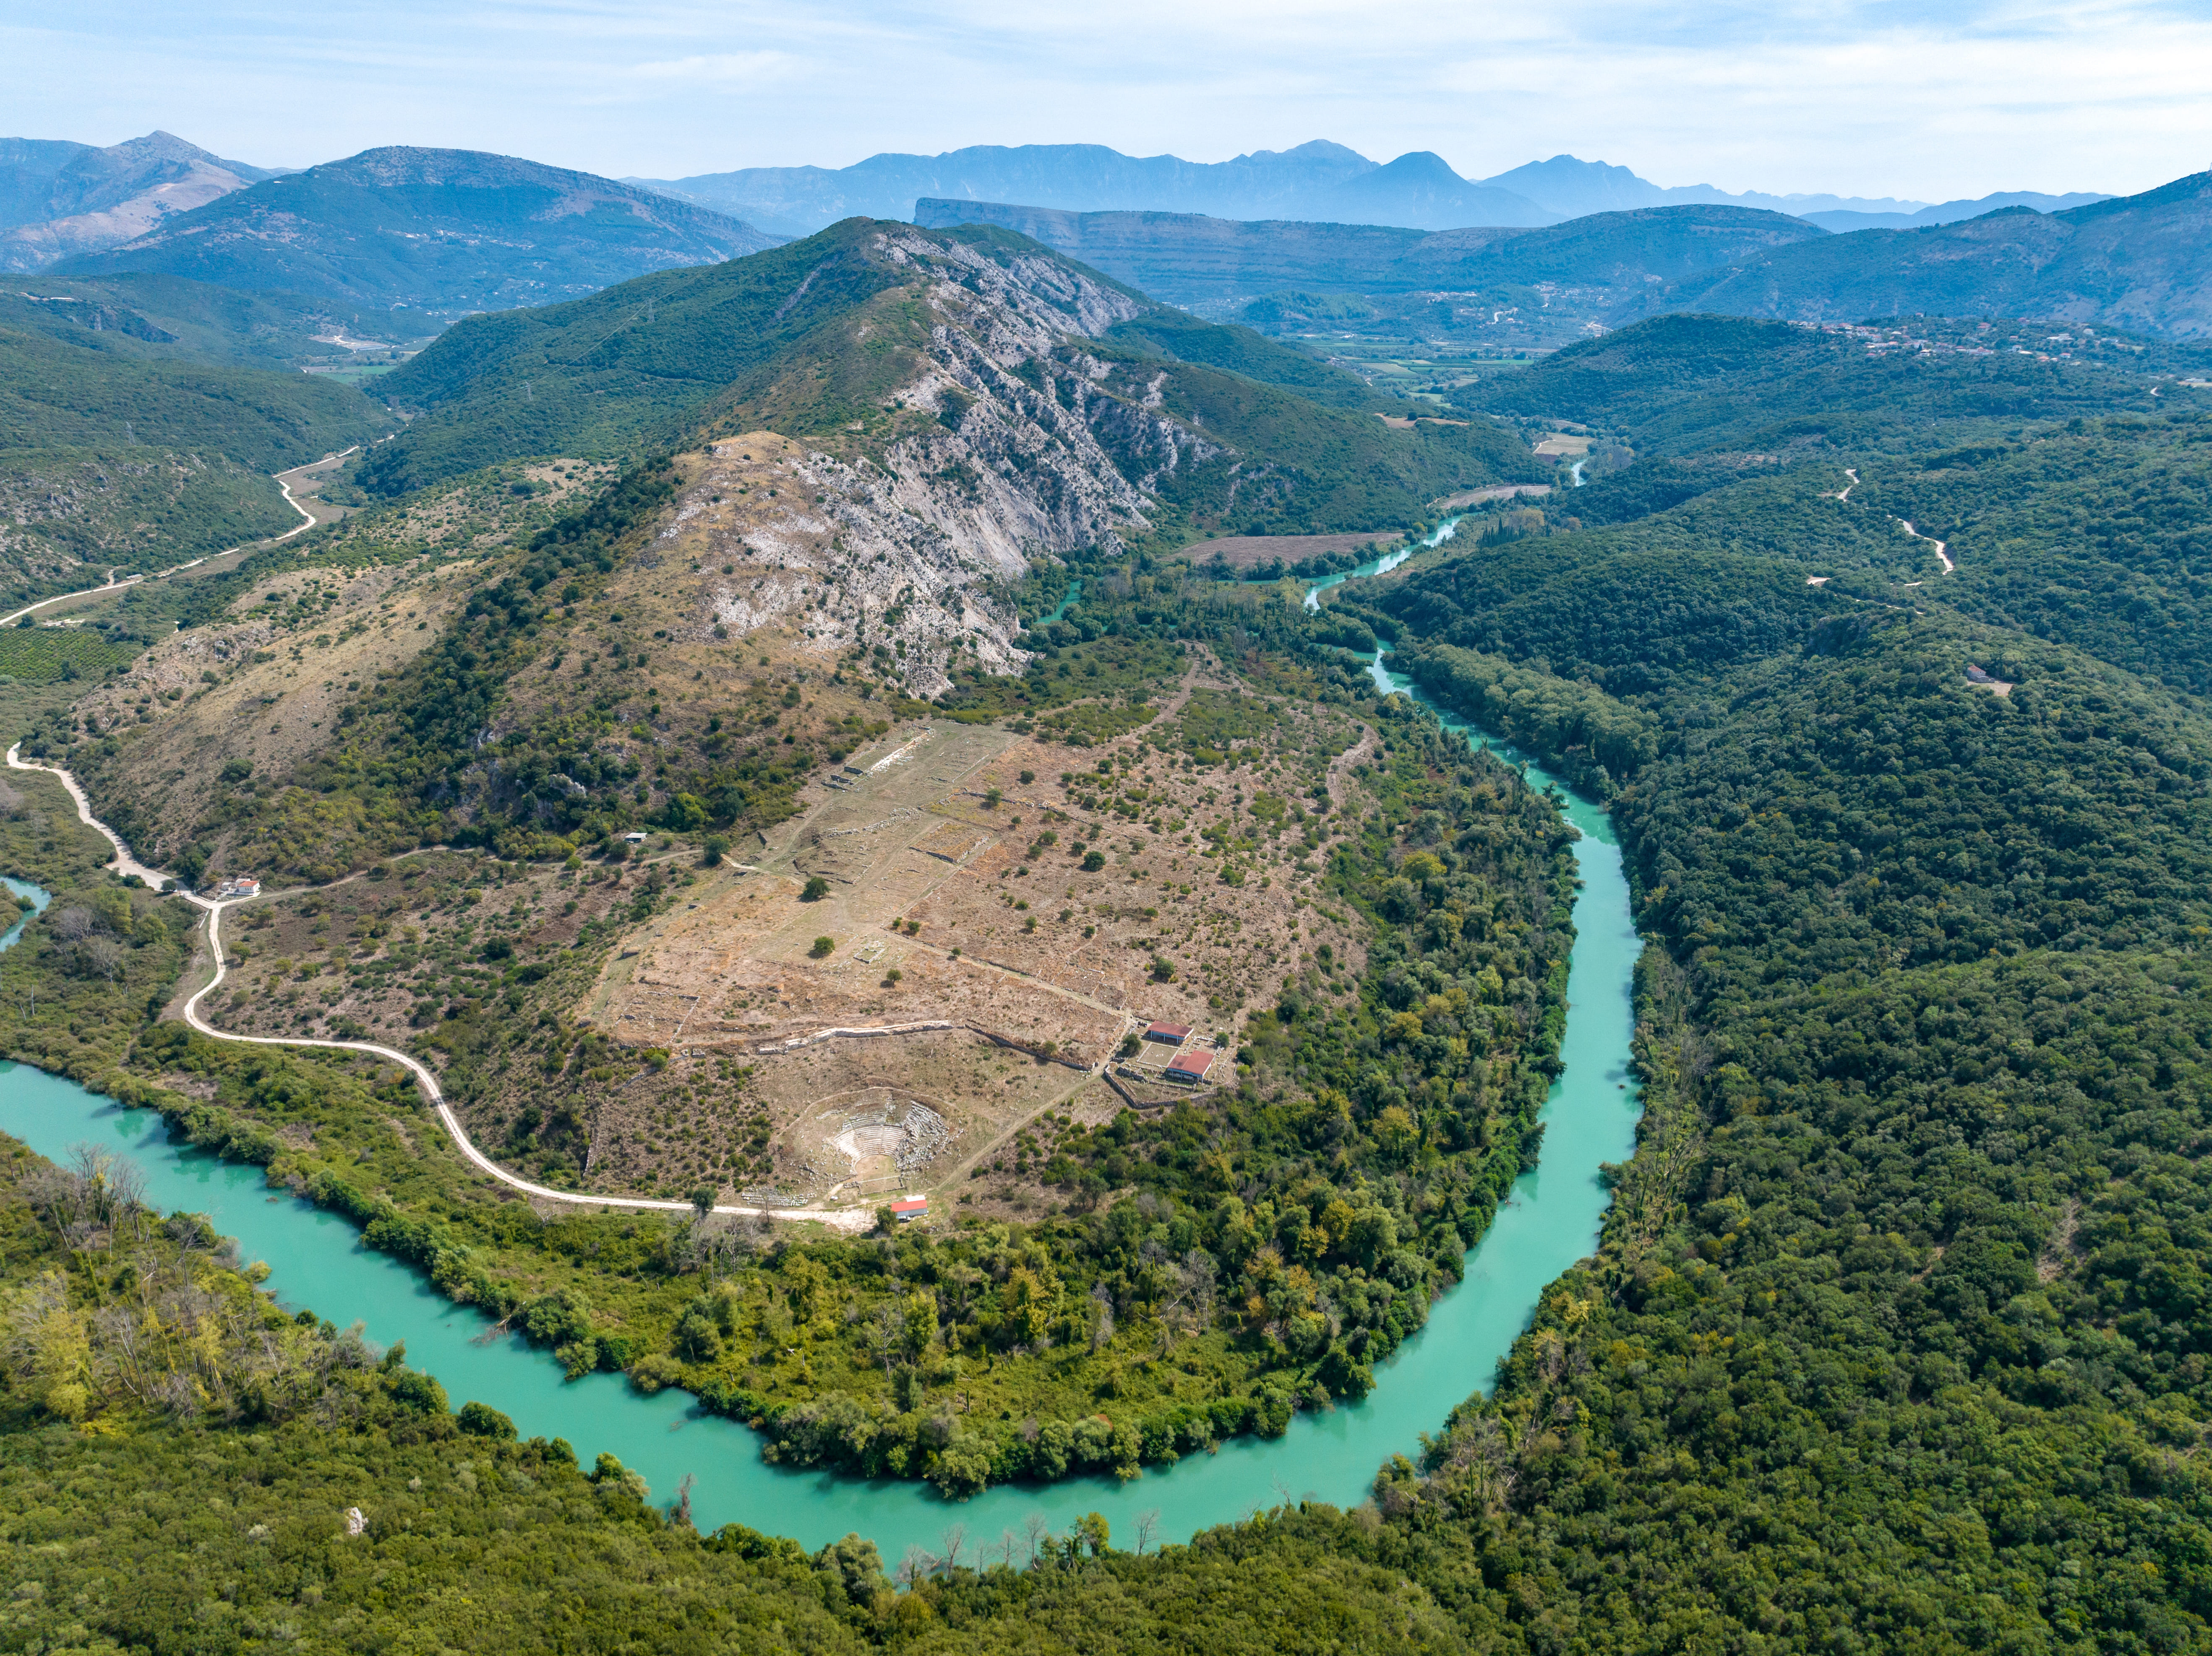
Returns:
<point x="1028" y="456"/>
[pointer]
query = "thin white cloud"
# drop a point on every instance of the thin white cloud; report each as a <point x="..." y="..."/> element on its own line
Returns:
<point x="1929" y="99"/>
<point x="719" y="69"/>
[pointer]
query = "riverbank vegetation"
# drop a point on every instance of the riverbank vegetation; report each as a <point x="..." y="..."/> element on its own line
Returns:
<point x="100" y="961"/>
<point x="188" y="1464"/>
<point x="1899" y="1260"/>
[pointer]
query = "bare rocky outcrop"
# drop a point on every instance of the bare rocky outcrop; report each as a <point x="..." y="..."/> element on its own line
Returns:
<point x="1033" y="453"/>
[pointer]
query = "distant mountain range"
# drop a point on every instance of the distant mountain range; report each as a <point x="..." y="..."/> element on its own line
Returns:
<point x="440" y="232"/>
<point x="419" y="237"/>
<point x="1315" y="182"/>
<point x="1570" y="188"/>
<point x="1191" y="260"/>
<point x="58" y="199"/>
<point x="2139" y="261"/>
<point x="1950" y="212"/>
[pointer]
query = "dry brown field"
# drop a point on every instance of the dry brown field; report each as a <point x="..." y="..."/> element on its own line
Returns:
<point x="1245" y="551"/>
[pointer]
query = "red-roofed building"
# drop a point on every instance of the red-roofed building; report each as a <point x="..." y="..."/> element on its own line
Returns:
<point x="910" y="1207"/>
<point x="1189" y="1066"/>
<point x="1173" y="1033"/>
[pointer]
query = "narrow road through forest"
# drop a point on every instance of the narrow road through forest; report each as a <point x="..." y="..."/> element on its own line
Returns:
<point x="1942" y="553"/>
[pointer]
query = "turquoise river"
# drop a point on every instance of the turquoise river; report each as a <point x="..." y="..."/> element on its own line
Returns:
<point x="1550" y="1221"/>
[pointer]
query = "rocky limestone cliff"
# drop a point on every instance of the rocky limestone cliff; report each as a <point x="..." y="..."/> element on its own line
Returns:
<point x="910" y="547"/>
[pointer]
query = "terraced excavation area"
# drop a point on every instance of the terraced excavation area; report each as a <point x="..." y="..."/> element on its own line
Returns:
<point x="953" y="939"/>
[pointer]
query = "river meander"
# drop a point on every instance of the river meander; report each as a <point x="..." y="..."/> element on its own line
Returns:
<point x="1550" y="1221"/>
<point x="1381" y="566"/>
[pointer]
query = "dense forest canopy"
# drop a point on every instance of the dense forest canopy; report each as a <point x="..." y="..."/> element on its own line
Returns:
<point x="1696" y="385"/>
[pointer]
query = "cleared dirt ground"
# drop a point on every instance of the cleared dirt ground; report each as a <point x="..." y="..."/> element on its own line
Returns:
<point x="977" y="976"/>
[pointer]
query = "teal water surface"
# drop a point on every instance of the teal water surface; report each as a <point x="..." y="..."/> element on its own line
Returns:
<point x="1074" y="593"/>
<point x="1381" y="566"/>
<point x="39" y="901"/>
<point x="1549" y="1222"/>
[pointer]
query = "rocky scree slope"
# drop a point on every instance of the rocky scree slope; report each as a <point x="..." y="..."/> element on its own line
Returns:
<point x="963" y="403"/>
<point x="1011" y="406"/>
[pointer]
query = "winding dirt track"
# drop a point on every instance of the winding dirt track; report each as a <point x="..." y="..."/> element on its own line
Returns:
<point x="115" y="586"/>
<point x="1941" y="547"/>
<point x="842" y="1219"/>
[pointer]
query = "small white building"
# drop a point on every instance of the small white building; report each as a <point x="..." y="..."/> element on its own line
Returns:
<point x="243" y="886"/>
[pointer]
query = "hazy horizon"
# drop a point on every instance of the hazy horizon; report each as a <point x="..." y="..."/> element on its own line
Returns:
<point x="1931" y="105"/>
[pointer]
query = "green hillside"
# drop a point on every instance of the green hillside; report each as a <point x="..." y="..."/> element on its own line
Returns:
<point x="1625" y="252"/>
<point x="1289" y="466"/>
<point x="2100" y="533"/>
<point x="1923" y="1034"/>
<point x="1239" y="350"/>
<point x="437" y="232"/>
<point x="158" y="317"/>
<point x="1693" y="385"/>
<point x="134" y="453"/>
<point x="78" y="393"/>
<point x="595" y="376"/>
<point x="2075" y="500"/>
<point x="816" y="338"/>
<point x="136" y="506"/>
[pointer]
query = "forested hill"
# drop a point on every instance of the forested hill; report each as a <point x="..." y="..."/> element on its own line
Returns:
<point x="172" y="318"/>
<point x="2076" y="494"/>
<point x="437" y="232"/>
<point x="2139" y="261"/>
<point x="1908" y="1246"/>
<point x="113" y="452"/>
<point x="2100" y="533"/>
<point x="1691" y="385"/>
<point x="838" y="341"/>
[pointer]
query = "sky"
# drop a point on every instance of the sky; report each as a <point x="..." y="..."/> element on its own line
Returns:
<point x="1932" y="101"/>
